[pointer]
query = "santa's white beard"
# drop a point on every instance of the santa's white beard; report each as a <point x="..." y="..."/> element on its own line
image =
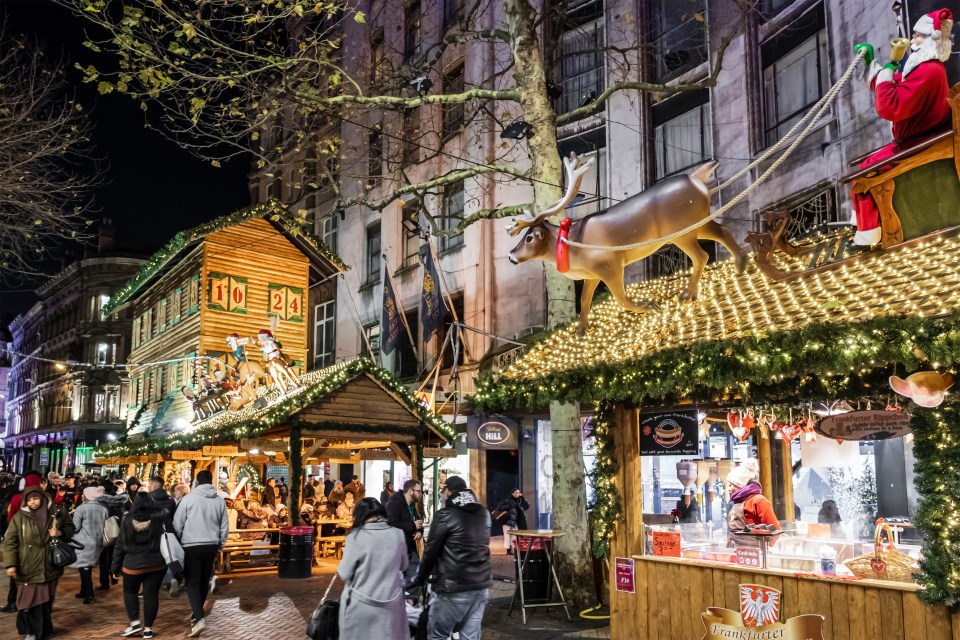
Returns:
<point x="929" y="49"/>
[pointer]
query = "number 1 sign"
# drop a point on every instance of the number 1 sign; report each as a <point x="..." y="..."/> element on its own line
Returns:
<point x="227" y="293"/>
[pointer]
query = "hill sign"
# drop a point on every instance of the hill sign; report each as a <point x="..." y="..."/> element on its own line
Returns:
<point x="865" y="425"/>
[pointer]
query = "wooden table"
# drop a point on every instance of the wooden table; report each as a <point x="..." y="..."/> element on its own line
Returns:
<point x="546" y="536"/>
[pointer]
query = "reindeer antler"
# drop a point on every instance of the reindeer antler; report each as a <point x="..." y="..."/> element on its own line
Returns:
<point x="575" y="169"/>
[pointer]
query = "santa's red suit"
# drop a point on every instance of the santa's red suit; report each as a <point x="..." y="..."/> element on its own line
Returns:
<point x="915" y="101"/>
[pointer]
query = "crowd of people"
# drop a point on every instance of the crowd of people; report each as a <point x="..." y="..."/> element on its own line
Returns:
<point x="118" y="527"/>
<point x="125" y="531"/>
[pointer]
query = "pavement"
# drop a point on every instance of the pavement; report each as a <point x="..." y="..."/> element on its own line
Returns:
<point x="248" y="605"/>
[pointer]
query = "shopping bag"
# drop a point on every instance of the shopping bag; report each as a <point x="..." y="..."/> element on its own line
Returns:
<point x="172" y="552"/>
<point x="111" y="530"/>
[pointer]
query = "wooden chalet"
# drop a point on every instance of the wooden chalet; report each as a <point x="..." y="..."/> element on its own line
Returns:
<point x="240" y="273"/>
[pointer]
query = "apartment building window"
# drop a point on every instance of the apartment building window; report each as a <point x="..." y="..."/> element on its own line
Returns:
<point x="808" y="213"/>
<point x="682" y="132"/>
<point x="373" y="254"/>
<point x="374" y="156"/>
<point x="162" y="384"/>
<point x="452" y="215"/>
<point x="328" y="229"/>
<point x="103" y="354"/>
<point x="371" y="341"/>
<point x="795" y="73"/>
<point x="378" y="58"/>
<point x="452" y="12"/>
<point x="448" y="355"/>
<point x="581" y="63"/>
<point x="593" y="189"/>
<point x="411" y="136"/>
<point x="679" y="36"/>
<point x="453" y="113"/>
<point x="324" y="338"/>
<point x="408" y="366"/>
<point x="410" y="219"/>
<point x="411" y="31"/>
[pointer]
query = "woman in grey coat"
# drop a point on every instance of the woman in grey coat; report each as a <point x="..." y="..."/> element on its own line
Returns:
<point x="89" y="519"/>
<point x="374" y="558"/>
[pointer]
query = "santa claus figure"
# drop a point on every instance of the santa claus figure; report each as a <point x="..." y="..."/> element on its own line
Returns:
<point x="915" y="100"/>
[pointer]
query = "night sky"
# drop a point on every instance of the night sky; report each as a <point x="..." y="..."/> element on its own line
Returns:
<point x="152" y="187"/>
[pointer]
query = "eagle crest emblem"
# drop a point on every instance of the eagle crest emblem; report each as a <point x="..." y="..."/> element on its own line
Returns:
<point x="759" y="605"/>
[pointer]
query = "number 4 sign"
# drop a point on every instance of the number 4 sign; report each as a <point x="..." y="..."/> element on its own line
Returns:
<point x="286" y="302"/>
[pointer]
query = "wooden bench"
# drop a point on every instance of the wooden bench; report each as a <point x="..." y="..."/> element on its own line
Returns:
<point x="244" y="547"/>
<point x="330" y="544"/>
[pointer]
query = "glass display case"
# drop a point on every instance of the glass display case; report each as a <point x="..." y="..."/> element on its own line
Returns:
<point x="802" y="547"/>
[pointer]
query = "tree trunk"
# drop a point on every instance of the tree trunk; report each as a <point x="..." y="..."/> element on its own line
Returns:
<point x="574" y="562"/>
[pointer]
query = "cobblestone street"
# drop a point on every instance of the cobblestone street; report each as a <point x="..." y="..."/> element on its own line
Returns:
<point x="262" y="605"/>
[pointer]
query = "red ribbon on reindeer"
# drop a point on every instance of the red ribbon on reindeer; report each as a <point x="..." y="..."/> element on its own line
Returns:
<point x="563" y="252"/>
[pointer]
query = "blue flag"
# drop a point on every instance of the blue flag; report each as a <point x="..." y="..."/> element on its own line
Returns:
<point x="391" y="324"/>
<point x="432" y="309"/>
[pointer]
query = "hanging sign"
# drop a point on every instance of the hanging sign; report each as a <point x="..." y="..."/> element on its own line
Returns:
<point x="666" y="543"/>
<point x="866" y="425"/>
<point x="759" y="619"/>
<point x="626" y="575"/>
<point x="492" y="432"/>
<point x="437" y="452"/>
<point x="670" y="433"/>
<point x="186" y="455"/>
<point x="212" y="452"/>
<point x="377" y="454"/>
<point x="155" y="458"/>
<point x="337" y="454"/>
<point x="263" y="445"/>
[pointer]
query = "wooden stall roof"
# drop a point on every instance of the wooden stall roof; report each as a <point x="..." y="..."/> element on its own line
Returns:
<point x="919" y="278"/>
<point x="353" y="399"/>
<point x="323" y="260"/>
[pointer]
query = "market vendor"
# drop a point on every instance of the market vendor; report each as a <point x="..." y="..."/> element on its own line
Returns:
<point x="914" y="99"/>
<point x="750" y="506"/>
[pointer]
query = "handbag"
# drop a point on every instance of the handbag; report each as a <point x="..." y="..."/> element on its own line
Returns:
<point x="499" y="515"/>
<point x="172" y="552"/>
<point x="63" y="553"/>
<point x="884" y="564"/>
<point x="324" y="623"/>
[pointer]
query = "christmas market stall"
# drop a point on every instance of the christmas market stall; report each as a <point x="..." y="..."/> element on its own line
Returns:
<point x="812" y="377"/>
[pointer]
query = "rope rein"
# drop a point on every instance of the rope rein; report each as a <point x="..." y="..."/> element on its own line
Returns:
<point x="817" y="111"/>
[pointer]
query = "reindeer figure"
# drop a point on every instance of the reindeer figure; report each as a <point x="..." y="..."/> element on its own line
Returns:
<point x="668" y="206"/>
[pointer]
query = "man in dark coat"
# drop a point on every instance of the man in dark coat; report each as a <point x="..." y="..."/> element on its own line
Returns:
<point x="514" y="505"/>
<point x="401" y="513"/>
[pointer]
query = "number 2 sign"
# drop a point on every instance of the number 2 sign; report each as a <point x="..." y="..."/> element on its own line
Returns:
<point x="286" y="302"/>
<point x="227" y="293"/>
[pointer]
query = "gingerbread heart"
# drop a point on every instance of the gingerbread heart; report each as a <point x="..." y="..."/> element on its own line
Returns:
<point x="879" y="566"/>
<point x="790" y="431"/>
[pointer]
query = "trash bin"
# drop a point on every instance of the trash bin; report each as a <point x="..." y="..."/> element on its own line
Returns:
<point x="536" y="571"/>
<point x="296" y="552"/>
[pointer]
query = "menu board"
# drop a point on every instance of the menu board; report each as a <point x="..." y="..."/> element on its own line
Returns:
<point x="670" y="433"/>
<point x="666" y="543"/>
<point x="626" y="575"/>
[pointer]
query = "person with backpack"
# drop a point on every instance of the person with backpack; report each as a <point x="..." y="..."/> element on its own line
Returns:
<point x="140" y="562"/>
<point x="89" y="520"/>
<point x="27" y="558"/>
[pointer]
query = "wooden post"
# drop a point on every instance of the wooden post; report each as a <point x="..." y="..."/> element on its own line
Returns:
<point x="763" y="456"/>
<point x="295" y="467"/>
<point x="787" y="470"/>
<point x="628" y="618"/>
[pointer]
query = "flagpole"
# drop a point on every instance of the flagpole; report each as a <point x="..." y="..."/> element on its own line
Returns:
<point x="443" y="291"/>
<point x="403" y="314"/>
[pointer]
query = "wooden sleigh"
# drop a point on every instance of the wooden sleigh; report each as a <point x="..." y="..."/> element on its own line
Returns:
<point x="917" y="192"/>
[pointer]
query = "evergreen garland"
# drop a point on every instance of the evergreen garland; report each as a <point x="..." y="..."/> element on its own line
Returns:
<point x="606" y="510"/>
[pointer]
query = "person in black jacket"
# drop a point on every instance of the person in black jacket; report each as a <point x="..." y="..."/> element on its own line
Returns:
<point x="116" y="504"/>
<point x="138" y="559"/>
<point x="458" y="559"/>
<point x="514" y="505"/>
<point x="401" y="513"/>
<point x="268" y="495"/>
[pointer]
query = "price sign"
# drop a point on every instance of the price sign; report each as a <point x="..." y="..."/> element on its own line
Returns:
<point x="666" y="543"/>
<point x="748" y="557"/>
<point x="626" y="575"/>
<point x="211" y="451"/>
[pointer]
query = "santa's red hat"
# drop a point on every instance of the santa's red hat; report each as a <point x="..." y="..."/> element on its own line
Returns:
<point x="937" y="24"/>
<point x="233" y="336"/>
<point x="265" y="332"/>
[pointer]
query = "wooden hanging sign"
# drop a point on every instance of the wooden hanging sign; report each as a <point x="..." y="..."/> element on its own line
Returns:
<point x="211" y="451"/>
<point x="155" y="458"/>
<point x="106" y="461"/>
<point x="339" y="454"/>
<point x="263" y="445"/>
<point x="377" y="454"/>
<point x="186" y="455"/>
<point x="438" y="452"/>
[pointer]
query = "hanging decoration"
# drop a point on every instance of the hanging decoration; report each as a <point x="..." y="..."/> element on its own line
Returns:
<point x="606" y="510"/>
<point x="925" y="388"/>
